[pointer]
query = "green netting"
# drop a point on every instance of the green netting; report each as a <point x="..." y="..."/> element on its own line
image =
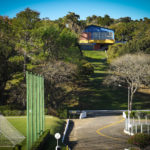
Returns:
<point x="35" y="107"/>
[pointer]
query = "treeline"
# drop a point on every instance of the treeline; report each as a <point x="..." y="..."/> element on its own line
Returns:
<point x="42" y="46"/>
<point x="131" y="35"/>
<point x="50" y="48"/>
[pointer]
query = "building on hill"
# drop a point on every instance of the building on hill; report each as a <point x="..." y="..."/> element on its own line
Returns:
<point x="96" y="38"/>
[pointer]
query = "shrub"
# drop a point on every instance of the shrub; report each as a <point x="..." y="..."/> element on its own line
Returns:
<point x="9" y="112"/>
<point x="62" y="113"/>
<point x="141" y="140"/>
<point x="40" y="144"/>
<point x="86" y="69"/>
<point x="135" y="114"/>
<point x="113" y="50"/>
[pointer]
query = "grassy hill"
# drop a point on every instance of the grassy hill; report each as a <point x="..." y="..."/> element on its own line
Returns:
<point x="97" y="96"/>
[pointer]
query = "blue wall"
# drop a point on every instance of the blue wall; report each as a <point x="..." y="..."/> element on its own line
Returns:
<point x="93" y="28"/>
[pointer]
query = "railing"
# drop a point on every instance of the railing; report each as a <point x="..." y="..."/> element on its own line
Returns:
<point x="138" y="125"/>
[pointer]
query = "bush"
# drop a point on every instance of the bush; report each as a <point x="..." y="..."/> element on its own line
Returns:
<point x="62" y="113"/>
<point x="113" y="50"/>
<point x="86" y="69"/>
<point x="135" y="114"/>
<point x="40" y="144"/>
<point x="141" y="140"/>
<point x="10" y="111"/>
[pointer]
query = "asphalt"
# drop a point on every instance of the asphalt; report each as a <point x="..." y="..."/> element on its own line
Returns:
<point x="100" y="131"/>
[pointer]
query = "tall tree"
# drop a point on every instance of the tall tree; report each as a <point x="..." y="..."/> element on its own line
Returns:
<point x="72" y="20"/>
<point x="24" y="23"/>
<point x="6" y="51"/>
<point x="125" y="19"/>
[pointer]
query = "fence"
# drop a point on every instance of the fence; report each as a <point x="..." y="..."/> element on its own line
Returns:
<point x="137" y="125"/>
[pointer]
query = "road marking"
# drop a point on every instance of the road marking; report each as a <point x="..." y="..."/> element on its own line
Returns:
<point x="98" y="131"/>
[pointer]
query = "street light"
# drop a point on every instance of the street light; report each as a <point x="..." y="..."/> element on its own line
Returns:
<point x="129" y="125"/>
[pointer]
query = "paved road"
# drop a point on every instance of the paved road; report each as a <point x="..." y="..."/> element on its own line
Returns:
<point x="104" y="131"/>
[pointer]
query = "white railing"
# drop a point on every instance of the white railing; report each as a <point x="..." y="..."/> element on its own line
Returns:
<point x="133" y="126"/>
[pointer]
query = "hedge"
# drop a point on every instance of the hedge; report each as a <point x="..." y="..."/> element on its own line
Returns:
<point x="140" y="139"/>
<point x="142" y="114"/>
<point x="40" y="144"/>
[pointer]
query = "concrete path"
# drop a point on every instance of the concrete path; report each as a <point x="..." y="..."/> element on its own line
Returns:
<point x="104" y="131"/>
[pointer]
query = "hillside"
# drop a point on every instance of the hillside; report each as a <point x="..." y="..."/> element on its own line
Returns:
<point x="97" y="96"/>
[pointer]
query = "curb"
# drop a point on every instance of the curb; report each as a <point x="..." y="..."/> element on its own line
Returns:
<point x="127" y="132"/>
<point x="65" y="131"/>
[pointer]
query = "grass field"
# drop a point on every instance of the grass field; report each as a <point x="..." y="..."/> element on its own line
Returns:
<point x="97" y="96"/>
<point x="53" y="123"/>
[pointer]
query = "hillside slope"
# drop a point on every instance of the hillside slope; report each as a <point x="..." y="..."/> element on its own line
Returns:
<point x="97" y="96"/>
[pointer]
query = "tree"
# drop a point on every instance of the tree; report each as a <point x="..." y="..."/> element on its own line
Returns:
<point x="107" y="21"/>
<point x="98" y="20"/>
<point x="72" y="20"/>
<point x="56" y="73"/>
<point x="56" y="43"/>
<point x="24" y="23"/>
<point x="125" y="19"/>
<point x="49" y="37"/>
<point x="130" y="70"/>
<point x="124" y="31"/>
<point x="6" y="51"/>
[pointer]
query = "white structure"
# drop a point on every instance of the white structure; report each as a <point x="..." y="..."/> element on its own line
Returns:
<point x="83" y="115"/>
<point x="9" y="135"/>
<point x="133" y="126"/>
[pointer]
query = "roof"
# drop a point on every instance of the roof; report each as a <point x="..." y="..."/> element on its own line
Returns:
<point x="94" y="28"/>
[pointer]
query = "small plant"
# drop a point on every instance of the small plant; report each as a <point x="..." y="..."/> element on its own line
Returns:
<point x="140" y="114"/>
<point x="141" y="140"/>
<point x="86" y="69"/>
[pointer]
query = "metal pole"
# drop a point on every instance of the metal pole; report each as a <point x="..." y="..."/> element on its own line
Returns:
<point x="43" y="113"/>
<point x="31" y="110"/>
<point x="128" y="107"/>
<point x="41" y="106"/>
<point x="37" y="107"/>
<point x="57" y="142"/>
<point x="146" y="119"/>
<point x="141" y="128"/>
<point x="27" y="95"/>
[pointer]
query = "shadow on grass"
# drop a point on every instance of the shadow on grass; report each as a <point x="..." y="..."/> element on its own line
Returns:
<point x="97" y="96"/>
<point x="91" y="60"/>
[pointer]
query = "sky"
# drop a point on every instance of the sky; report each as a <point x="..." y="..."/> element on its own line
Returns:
<point x="54" y="9"/>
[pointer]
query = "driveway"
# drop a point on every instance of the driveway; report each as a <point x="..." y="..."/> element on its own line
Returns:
<point x="101" y="131"/>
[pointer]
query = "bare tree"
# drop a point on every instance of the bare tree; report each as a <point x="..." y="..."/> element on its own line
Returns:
<point x="56" y="75"/>
<point x="58" y="71"/>
<point x="130" y="70"/>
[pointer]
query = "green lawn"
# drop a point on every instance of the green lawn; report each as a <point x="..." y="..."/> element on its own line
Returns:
<point x="53" y="123"/>
<point x="97" y="96"/>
